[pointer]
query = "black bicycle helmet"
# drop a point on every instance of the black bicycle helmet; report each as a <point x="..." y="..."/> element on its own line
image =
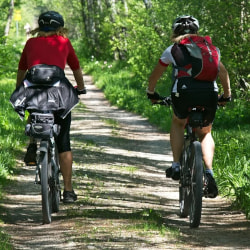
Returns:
<point x="185" y="25"/>
<point x="50" y="21"/>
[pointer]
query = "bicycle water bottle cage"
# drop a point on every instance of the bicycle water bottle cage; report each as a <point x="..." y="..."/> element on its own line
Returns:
<point x="42" y="126"/>
<point x="196" y="117"/>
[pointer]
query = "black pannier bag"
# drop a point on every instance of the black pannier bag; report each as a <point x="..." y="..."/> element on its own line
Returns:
<point x="42" y="126"/>
<point x="44" y="74"/>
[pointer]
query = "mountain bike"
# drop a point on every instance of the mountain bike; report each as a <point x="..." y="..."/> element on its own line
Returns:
<point x="43" y="129"/>
<point x="193" y="181"/>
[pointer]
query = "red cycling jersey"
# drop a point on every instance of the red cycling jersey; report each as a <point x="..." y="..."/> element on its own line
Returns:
<point x="51" y="50"/>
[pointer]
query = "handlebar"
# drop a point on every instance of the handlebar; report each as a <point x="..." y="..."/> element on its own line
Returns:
<point x="167" y="101"/>
<point x="164" y="100"/>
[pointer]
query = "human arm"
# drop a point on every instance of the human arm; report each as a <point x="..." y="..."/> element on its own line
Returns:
<point x="155" y="76"/>
<point x="20" y="76"/>
<point x="79" y="79"/>
<point x="74" y="64"/>
<point x="225" y="81"/>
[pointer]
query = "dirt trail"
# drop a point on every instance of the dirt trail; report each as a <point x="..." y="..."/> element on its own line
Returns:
<point x="119" y="164"/>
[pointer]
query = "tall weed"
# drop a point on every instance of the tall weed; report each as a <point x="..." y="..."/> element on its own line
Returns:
<point x="11" y="131"/>
<point x="232" y="152"/>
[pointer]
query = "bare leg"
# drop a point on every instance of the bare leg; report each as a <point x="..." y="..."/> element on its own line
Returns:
<point x="177" y="137"/>
<point x="65" y="160"/>
<point x="207" y="145"/>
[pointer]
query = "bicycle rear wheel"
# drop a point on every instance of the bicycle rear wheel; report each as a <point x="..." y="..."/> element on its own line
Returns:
<point x="56" y="190"/>
<point x="196" y="189"/>
<point x="184" y="201"/>
<point x="45" y="181"/>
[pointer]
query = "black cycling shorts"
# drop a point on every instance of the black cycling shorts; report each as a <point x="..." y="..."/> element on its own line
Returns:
<point x="63" y="139"/>
<point x="195" y="94"/>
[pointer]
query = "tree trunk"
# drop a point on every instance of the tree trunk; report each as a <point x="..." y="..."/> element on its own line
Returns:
<point x="148" y="4"/>
<point x="89" y="24"/>
<point x="9" y="19"/>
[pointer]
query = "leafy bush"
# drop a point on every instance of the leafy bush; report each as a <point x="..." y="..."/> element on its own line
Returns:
<point x="232" y="152"/>
<point x="11" y="127"/>
<point x="11" y="131"/>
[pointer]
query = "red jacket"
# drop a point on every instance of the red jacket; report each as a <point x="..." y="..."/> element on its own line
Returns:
<point x="50" y="50"/>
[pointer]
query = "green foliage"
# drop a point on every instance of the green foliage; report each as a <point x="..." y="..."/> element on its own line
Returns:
<point x="232" y="164"/>
<point x="5" y="241"/>
<point x="232" y="152"/>
<point x="11" y="131"/>
<point x="4" y="4"/>
<point x="11" y="127"/>
<point x="237" y="112"/>
<point x="10" y="54"/>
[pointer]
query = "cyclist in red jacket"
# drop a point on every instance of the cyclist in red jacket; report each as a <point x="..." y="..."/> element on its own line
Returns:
<point x="52" y="47"/>
<point x="187" y="91"/>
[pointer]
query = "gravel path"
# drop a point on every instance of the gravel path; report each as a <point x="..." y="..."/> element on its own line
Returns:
<point x="119" y="164"/>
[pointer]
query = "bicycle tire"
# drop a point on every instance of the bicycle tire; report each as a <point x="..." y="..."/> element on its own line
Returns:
<point x="196" y="189"/>
<point x="56" y="194"/>
<point x="56" y="190"/>
<point x="184" y="201"/>
<point x="45" y="179"/>
<point x="184" y="190"/>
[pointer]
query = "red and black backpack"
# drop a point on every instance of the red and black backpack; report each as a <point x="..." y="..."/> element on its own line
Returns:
<point x="196" y="57"/>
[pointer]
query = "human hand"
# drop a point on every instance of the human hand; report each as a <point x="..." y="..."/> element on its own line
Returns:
<point x="223" y="100"/>
<point x="153" y="96"/>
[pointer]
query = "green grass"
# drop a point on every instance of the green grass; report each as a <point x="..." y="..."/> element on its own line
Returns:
<point x="5" y="241"/>
<point x="124" y="168"/>
<point x="12" y="137"/>
<point x="143" y="222"/>
<point x="113" y="124"/>
<point x="232" y="165"/>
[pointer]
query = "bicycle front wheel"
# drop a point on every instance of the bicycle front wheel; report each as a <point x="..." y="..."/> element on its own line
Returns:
<point x="184" y="188"/>
<point x="196" y="189"/>
<point x="45" y="166"/>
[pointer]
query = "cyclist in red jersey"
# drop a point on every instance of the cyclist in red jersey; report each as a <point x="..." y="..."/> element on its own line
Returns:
<point x="52" y="47"/>
<point x="187" y="91"/>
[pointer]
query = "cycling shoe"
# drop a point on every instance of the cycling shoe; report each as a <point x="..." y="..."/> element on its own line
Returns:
<point x="173" y="173"/>
<point x="211" y="191"/>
